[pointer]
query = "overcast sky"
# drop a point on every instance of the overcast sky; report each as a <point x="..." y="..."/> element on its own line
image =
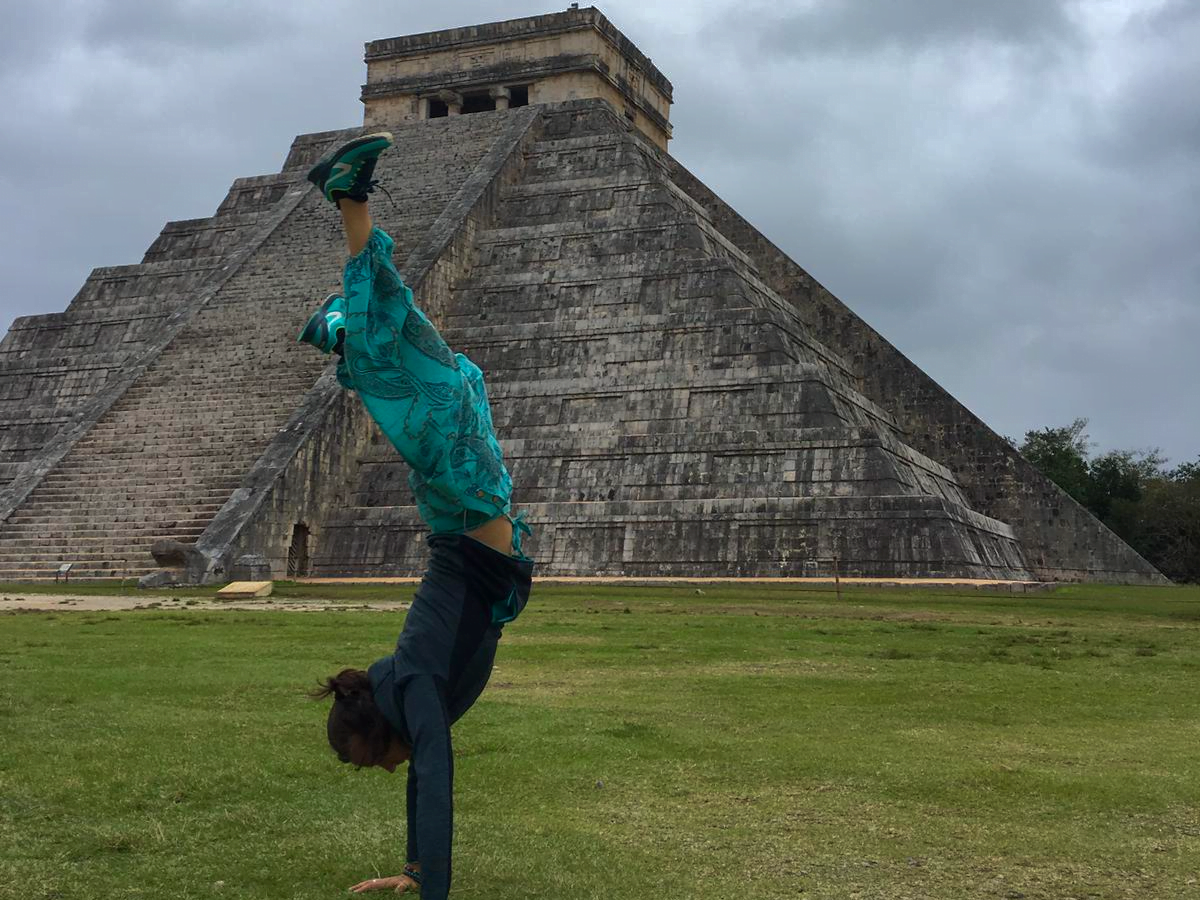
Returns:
<point x="1009" y="190"/>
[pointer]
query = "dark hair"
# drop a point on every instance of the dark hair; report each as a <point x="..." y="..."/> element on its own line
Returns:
<point x="354" y="713"/>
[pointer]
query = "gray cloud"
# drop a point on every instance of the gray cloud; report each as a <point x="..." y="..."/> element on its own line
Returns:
<point x="851" y="26"/>
<point x="152" y="30"/>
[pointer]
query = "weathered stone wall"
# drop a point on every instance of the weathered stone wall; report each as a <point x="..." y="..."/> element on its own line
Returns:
<point x="662" y="411"/>
<point x="798" y="537"/>
<point x="1062" y="540"/>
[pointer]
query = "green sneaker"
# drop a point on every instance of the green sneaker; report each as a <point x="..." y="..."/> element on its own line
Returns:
<point x="347" y="171"/>
<point x="326" y="328"/>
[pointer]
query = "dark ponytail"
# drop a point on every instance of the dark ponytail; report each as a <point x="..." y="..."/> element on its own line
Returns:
<point x="354" y="714"/>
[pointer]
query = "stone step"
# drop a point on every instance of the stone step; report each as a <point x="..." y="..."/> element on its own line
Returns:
<point x="189" y="445"/>
<point x="622" y="487"/>
<point x="583" y="184"/>
<point x="729" y="536"/>
<point x="83" y="549"/>
<point x="115" y="562"/>
<point x="106" y="534"/>
<point x="94" y="517"/>
<point x="120" y="525"/>
<point x="518" y="281"/>
<point x="801" y="399"/>
<point x="601" y="255"/>
<point x="100" y="530"/>
<point x="168" y="433"/>
<point x="74" y="548"/>
<point x="85" y="511"/>
<point x="160" y="415"/>
<point x="653" y="213"/>
<point x="108" y="569"/>
<point x="141" y="470"/>
<point x="146" y="493"/>
<point x="90" y="516"/>
<point x="719" y="387"/>
<point x="35" y="576"/>
<point x="81" y="545"/>
<point x="186" y="399"/>
<point x="294" y="376"/>
<point x="258" y="194"/>
<point x="159" y="458"/>
<point x="96" y="507"/>
<point x="82" y="555"/>
<point x="152" y="475"/>
<point x="600" y="439"/>
<point x="200" y="237"/>
<point x="209" y="479"/>
<point x="837" y="462"/>
<point x="681" y="365"/>
<point x="722" y="332"/>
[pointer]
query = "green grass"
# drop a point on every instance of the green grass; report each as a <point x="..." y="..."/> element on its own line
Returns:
<point x="758" y="742"/>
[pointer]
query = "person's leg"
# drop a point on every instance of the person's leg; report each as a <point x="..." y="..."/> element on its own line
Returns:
<point x="473" y="678"/>
<point x="356" y="221"/>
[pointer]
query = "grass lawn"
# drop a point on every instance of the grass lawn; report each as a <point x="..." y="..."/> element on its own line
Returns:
<point x="650" y="743"/>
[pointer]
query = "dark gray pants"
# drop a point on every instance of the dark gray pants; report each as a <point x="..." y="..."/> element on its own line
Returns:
<point x="442" y="663"/>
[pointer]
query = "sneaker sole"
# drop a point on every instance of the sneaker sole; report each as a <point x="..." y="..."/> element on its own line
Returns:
<point x="318" y="173"/>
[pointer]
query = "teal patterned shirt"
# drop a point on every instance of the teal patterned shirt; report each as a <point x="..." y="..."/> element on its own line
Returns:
<point x="429" y="401"/>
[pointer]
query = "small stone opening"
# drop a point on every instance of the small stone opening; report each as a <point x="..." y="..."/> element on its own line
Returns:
<point x="438" y="109"/>
<point x="520" y="96"/>
<point x="473" y="103"/>
<point x="298" y="552"/>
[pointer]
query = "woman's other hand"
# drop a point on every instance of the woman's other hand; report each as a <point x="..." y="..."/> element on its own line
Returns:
<point x="397" y="883"/>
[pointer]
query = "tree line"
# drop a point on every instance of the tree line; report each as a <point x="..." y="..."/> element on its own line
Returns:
<point x="1152" y="507"/>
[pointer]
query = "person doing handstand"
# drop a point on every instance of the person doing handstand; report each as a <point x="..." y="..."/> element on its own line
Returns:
<point x="432" y="405"/>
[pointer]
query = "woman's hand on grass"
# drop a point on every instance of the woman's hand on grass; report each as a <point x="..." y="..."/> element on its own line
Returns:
<point x="397" y="883"/>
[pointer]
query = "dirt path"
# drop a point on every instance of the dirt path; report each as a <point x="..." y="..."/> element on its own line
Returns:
<point x="83" y="603"/>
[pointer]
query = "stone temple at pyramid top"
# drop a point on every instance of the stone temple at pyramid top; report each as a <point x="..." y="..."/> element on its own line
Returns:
<point x="573" y="55"/>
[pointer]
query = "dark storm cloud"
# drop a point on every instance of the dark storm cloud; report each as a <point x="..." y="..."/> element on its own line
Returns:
<point x="1008" y="191"/>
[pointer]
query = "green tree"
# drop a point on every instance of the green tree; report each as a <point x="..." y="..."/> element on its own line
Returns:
<point x="1168" y="524"/>
<point x="1061" y="454"/>
<point x="1185" y="472"/>
<point x="1116" y="480"/>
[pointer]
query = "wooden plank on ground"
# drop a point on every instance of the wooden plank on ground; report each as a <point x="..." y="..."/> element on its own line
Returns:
<point x="240" y="590"/>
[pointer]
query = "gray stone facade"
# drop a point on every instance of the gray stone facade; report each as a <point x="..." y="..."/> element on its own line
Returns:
<point x="673" y="394"/>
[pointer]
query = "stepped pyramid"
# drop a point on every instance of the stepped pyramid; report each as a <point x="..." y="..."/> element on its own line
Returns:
<point x="674" y="395"/>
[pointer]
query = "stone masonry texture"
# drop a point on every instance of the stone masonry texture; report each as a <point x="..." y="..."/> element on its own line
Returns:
<point x="673" y="394"/>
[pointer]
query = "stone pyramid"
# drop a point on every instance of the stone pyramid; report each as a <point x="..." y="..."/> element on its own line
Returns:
<point x="674" y="395"/>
